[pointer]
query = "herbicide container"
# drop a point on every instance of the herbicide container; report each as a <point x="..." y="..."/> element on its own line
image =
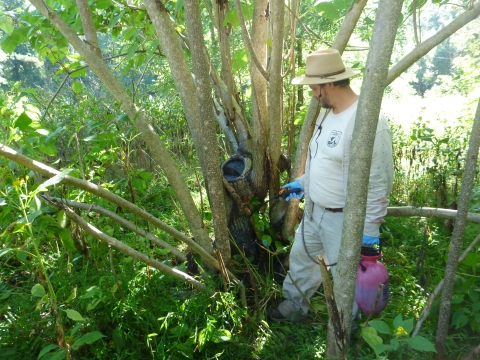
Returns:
<point x="371" y="275"/>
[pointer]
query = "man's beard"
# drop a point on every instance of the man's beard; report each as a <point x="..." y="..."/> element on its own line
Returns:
<point x="324" y="103"/>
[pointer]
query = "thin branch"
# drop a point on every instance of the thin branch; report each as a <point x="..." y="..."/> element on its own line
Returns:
<point x="348" y="25"/>
<point x="427" y="45"/>
<point x="335" y="317"/>
<point x="88" y="27"/>
<point x="55" y="95"/>
<point x="127" y="250"/>
<point x="438" y="288"/>
<point x="114" y="273"/>
<point x="248" y="41"/>
<point x="123" y="222"/>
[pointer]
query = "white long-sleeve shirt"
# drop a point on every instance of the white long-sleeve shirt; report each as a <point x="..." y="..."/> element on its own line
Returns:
<point x="381" y="171"/>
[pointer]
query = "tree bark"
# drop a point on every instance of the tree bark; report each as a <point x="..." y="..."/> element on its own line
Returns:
<point x="430" y="212"/>
<point x="213" y="175"/>
<point x="260" y="115"/>
<point x="348" y="25"/>
<point x="88" y="27"/>
<point x="368" y="112"/>
<point x="275" y="91"/>
<point x="423" y="48"/>
<point x="457" y="237"/>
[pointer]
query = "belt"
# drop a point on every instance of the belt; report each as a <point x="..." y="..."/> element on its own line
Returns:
<point x="334" y="210"/>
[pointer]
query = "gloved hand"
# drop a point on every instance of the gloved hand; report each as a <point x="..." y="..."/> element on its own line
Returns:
<point x="293" y="186"/>
<point x="370" y="240"/>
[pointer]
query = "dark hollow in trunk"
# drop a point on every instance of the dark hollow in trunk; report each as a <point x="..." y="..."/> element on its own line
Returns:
<point x="237" y="170"/>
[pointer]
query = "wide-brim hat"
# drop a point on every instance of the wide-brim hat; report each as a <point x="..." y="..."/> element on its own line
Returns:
<point x="324" y="66"/>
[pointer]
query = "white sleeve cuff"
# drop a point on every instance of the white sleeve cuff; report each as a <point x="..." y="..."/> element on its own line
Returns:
<point x="372" y="229"/>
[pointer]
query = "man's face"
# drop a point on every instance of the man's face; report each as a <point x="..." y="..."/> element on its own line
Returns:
<point x="320" y="92"/>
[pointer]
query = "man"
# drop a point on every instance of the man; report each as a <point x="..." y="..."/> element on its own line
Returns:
<point x="325" y="182"/>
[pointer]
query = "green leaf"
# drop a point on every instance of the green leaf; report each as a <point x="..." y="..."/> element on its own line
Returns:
<point x="333" y="9"/>
<point x="93" y="291"/>
<point x="398" y="321"/>
<point x="4" y="251"/>
<point x="6" y="24"/>
<point x="221" y="335"/>
<point x="77" y="87"/>
<point x="232" y="16"/>
<point x="74" y="315"/>
<point x="240" y="59"/>
<point x="88" y="338"/>
<point x="161" y="251"/>
<point x="395" y="343"/>
<point x="103" y="4"/>
<point x="78" y="73"/>
<point x="128" y="34"/>
<point x="408" y="325"/>
<point x="475" y="306"/>
<point x="421" y="344"/>
<point x="472" y="259"/>
<point x="57" y="355"/>
<point x="48" y="149"/>
<point x="53" y="181"/>
<point x="380" y="326"/>
<point x="38" y="291"/>
<point x="370" y="336"/>
<point x="139" y="184"/>
<point x="382" y="348"/>
<point x="23" y="122"/>
<point x="266" y="240"/>
<point x="6" y="295"/>
<point x="147" y="176"/>
<point x="46" y="349"/>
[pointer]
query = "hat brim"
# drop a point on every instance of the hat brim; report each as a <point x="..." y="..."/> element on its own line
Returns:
<point x="304" y="80"/>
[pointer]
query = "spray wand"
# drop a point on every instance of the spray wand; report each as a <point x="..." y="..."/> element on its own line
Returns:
<point x="282" y="194"/>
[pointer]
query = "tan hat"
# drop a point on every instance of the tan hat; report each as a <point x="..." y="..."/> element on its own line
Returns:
<point x="324" y="66"/>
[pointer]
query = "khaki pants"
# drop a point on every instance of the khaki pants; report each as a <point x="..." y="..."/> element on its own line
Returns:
<point x="322" y="235"/>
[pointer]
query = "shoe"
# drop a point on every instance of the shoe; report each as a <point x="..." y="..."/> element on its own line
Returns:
<point x="274" y="314"/>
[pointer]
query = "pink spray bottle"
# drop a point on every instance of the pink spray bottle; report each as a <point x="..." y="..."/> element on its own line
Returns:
<point x="371" y="275"/>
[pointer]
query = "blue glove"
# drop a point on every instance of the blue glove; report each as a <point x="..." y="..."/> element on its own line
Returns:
<point x="370" y="240"/>
<point x="292" y="186"/>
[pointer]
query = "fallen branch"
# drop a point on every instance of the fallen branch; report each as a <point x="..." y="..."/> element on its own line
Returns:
<point x="122" y="221"/>
<point x="127" y="250"/>
<point x="429" y="212"/>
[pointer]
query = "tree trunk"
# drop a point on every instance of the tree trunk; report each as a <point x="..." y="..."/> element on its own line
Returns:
<point x="158" y="150"/>
<point x="209" y="147"/>
<point x="457" y="237"/>
<point x="370" y="101"/>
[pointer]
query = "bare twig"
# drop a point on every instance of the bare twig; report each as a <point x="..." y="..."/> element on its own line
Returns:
<point x="334" y="315"/>
<point x="110" y="252"/>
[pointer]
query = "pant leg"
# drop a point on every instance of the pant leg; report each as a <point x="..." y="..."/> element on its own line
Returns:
<point x="303" y="270"/>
